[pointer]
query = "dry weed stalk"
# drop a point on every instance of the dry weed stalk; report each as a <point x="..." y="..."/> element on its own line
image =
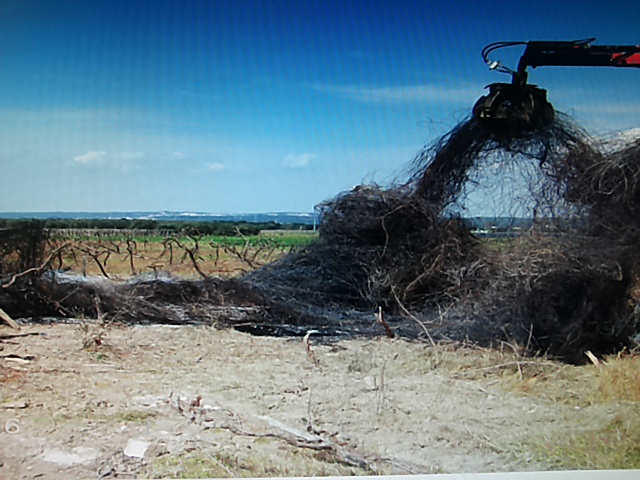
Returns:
<point x="310" y="353"/>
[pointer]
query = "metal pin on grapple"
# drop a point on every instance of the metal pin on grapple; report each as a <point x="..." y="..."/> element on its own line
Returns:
<point x="519" y="107"/>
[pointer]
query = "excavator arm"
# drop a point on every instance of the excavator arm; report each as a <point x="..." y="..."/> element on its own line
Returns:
<point x="523" y="107"/>
<point x="575" y="54"/>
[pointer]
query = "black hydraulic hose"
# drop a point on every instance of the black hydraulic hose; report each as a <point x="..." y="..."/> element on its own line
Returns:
<point x="496" y="65"/>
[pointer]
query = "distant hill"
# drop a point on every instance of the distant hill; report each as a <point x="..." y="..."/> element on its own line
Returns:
<point x="277" y="217"/>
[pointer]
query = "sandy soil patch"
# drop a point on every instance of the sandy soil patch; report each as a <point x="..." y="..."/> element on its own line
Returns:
<point x="196" y="401"/>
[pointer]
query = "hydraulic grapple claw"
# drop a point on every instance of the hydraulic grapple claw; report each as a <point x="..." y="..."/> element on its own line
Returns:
<point x="515" y="107"/>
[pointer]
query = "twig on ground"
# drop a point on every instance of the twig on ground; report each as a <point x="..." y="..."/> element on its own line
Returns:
<point x="387" y="328"/>
<point x="592" y="358"/>
<point x="290" y="435"/>
<point x="414" y="318"/>
<point x="310" y="353"/>
<point x="485" y="441"/>
<point x="221" y="465"/>
<point x="515" y="351"/>
<point x="10" y="321"/>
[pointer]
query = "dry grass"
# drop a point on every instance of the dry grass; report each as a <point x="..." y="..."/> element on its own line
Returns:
<point x="616" y="379"/>
<point x="613" y="446"/>
<point x="613" y="383"/>
<point x="226" y="464"/>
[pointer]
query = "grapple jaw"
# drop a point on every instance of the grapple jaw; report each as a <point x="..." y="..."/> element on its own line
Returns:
<point x="515" y="108"/>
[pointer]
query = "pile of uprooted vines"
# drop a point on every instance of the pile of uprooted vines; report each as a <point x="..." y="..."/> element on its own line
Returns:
<point x="564" y="287"/>
<point x="568" y="285"/>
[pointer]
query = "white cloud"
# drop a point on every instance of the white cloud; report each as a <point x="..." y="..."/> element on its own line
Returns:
<point x="424" y="93"/>
<point x="178" y="154"/>
<point x="216" y="167"/>
<point x="90" y="156"/>
<point x="301" y="160"/>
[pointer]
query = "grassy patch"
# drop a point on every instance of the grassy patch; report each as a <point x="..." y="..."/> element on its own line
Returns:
<point x="616" y="379"/>
<point x="188" y="467"/>
<point x="614" y="446"/>
<point x="133" y="416"/>
<point x="614" y="382"/>
<point x="288" y="463"/>
<point x="275" y="237"/>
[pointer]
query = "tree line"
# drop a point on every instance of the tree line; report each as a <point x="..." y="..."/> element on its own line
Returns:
<point x="221" y="228"/>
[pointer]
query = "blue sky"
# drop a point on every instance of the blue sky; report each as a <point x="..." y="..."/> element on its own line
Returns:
<point x="257" y="106"/>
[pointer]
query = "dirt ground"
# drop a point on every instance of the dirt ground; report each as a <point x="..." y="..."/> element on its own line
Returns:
<point x="84" y="400"/>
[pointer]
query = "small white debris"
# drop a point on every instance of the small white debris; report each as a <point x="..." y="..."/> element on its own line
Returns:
<point x="135" y="448"/>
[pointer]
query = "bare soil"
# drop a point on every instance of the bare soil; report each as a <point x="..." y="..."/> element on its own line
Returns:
<point x="202" y="402"/>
